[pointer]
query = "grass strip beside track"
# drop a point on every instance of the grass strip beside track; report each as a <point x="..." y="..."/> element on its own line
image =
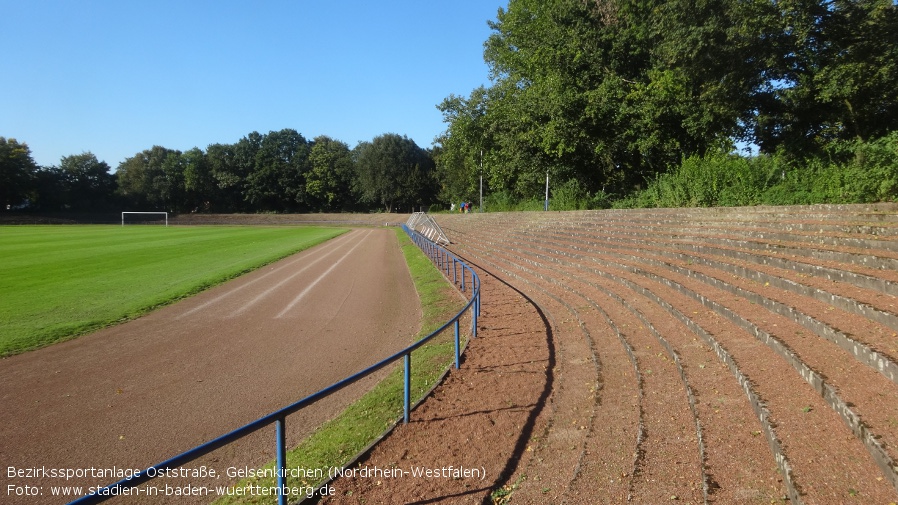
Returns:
<point x="59" y="282"/>
<point x="338" y="441"/>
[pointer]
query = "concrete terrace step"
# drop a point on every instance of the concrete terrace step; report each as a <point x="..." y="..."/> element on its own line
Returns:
<point x="797" y="304"/>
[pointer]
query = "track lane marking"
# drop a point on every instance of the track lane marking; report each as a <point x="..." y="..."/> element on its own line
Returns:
<point x="336" y="244"/>
<point x="258" y="298"/>
<point x="320" y="277"/>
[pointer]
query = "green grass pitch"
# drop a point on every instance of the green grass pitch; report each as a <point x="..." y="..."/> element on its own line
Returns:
<point x="58" y="282"/>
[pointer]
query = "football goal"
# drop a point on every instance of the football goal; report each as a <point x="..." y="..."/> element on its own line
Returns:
<point x="144" y="218"/>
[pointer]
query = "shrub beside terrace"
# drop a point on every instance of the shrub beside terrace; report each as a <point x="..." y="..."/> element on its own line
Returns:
<point x="851" y="172"/>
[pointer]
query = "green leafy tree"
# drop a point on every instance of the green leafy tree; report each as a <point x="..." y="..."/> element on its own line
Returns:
<point x="611" y="93"/>
<point x="149" y="180"/>
<point x="328" y="183"/>
<point x="276" y="179"/>
<point x="228" y="177"/>
<point x="88" y="183"/>
<point x="460" y="150"/>
<point x="52" y="192"/>
<point x="420" y="184"/>
<point x="170" y="185"/>
<point x="392" y="170"/>
<point x="17" y="173"/>
<point x="199" y="183"/>
<point x="836" y="78"/>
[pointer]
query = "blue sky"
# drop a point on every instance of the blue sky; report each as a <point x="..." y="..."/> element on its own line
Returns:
<point x="117" y="77"/>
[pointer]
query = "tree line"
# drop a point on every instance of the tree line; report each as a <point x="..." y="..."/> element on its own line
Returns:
<point x="627" y="101"/>
<point x="281" y="171"/>
<point x="607" y="95"/>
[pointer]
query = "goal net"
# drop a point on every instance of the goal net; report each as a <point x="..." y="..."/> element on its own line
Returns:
<point x="145" y="218"/>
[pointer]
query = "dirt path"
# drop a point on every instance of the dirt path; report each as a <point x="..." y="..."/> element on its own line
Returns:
<point x="481" y="420"/>
<point x="136" y="394"/>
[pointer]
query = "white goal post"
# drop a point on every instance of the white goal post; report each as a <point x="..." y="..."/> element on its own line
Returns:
<point x="163" y="213"/>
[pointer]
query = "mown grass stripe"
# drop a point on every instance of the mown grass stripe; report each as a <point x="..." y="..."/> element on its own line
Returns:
<point x="57" y="282"/>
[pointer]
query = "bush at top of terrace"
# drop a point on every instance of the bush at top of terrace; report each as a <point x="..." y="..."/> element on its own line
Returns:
<point x="850" y="172"/>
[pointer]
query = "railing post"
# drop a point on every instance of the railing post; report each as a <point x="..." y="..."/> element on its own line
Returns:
<point x="477" y="303"/>
<point x="281" y="435"/>
<point x="457" y="346"/>
<point x="454" y="271"/>
<point x="474" y="314"/>
<point x="407" y="389"/>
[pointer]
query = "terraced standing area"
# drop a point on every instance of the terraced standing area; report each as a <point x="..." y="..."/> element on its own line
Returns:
<point x="697" y="356"/>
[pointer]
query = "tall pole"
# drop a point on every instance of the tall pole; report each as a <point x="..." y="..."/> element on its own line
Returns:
<point x="481" y="181"/>
<point x="547" y="190"/>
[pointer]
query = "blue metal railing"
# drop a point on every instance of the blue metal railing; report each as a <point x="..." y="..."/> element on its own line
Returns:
<point x="441" y="257"/>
